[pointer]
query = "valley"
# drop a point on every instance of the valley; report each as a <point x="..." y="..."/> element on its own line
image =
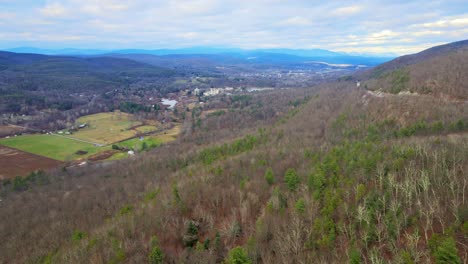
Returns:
<point x="228" y="161"/>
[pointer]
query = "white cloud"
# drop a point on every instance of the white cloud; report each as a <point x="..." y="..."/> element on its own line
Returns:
<point x="347" y="10"/>
<point x="101" y="7"/>
<point x="295" y="21"/>
<point x="397" y="49"/>
<point x="426" y="33"/>
<point x="54" y="10"/>
<point x="447" y="22"/>
<point x="194" y="7"/>
<point x="188" y="35"/>
<point x="384" y="34"/>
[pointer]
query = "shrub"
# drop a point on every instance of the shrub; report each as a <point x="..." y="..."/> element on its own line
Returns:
<point x="355" y="257"/>
<point x="78" y="235"/>
<point x="292" y="179"/>
<point x="156" y="255"/>
<point x="360" y="191"/>
<point x="269" y="177"/>
<point x="437" y="126"/>
<point x="399" y="80"/>
<point x="206" y="244"/>
<point x="126" y="210"/>
<point x="19" y="184"/>
<point x="191" y="235"/>
<point x="175" y="192"/>
<point x="217" y="241"/>
<point x="316" y="183"/>
<point x="238" y="255"/>
<point x="144" y="146"/>
<point x="300" y="206"/>
<point x="443" y="249"/>
<point x="406" y="257"/>
<point x="459" y="125"/>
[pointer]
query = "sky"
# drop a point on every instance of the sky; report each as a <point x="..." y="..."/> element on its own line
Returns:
<point x="364" y="27"/>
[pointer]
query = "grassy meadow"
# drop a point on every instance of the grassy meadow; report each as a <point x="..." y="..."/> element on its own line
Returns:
<point x="106" y="128"/>
<point x="168" y="135"/>
<point x="51" y="146"/>
<point x="146" y="129"/>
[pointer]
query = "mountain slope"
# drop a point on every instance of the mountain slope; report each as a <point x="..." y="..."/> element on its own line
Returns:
<point x="440" y="71"/>
<point x="36" y="63"/>
<point x="329" y="182"/>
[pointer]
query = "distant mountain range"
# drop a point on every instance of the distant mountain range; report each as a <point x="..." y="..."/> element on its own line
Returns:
<point x="269" y="55"/>
<point x="192" y="50"/>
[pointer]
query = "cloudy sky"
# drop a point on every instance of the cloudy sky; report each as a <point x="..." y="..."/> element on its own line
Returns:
<point x="393" y="26"/>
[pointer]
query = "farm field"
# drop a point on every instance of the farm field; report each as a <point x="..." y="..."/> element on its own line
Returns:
<point x="104" y="129"/>
<point x="15" y="162"/>
<point x="52" y="146"/>
<point x="146" y="129"/>
<point x="137" y="143"/>
<point x="151" y="142"/>
<point x="168" y="135"/>
<point x="107" y="128"/>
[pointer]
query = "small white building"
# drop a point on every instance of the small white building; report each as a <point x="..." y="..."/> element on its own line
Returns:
<point x="212" y="92"/>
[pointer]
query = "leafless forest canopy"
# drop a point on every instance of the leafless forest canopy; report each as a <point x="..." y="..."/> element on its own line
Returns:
<point x="327" y="173"/>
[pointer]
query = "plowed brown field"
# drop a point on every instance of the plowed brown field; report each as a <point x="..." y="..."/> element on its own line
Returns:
<point x="15" y="162"/>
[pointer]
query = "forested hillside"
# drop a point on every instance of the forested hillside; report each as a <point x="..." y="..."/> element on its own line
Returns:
<point x="439" y="71"/>
<point x="331" y="180"/>
<point x="38" y="81"/>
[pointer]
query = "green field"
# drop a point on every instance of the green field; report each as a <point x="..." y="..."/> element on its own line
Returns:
<point x="118" y="156"/>
<point x="106" y="128"/>
<point x="137" y="144"/>
<point x="52" y="146"/>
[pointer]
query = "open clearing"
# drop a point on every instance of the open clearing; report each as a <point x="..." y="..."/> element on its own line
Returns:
<point x="15" y="162"/>
<point x="151" y="141"/>
<point x="137" y="143"/>
<point x="52" y="146"/>
<point x="168" y="135"/>
<point x="107" y="128"/>
<point x="146" y="129"/>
